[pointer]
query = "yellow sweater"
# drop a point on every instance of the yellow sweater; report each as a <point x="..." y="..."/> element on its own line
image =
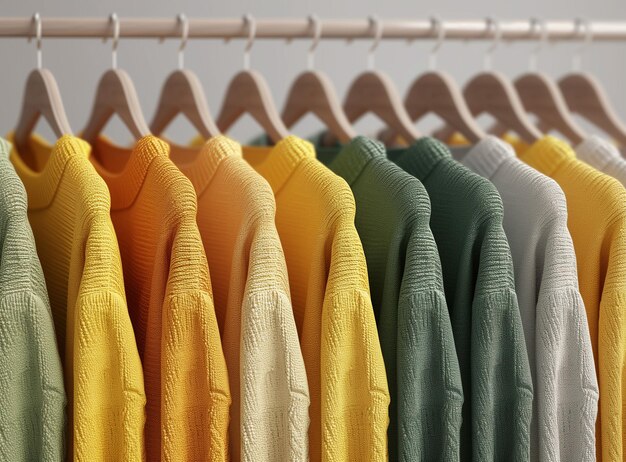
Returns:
<point x="68" y="208"/>
<point x="236" y="217"/>
<point x="331" y="302"/>
<point x="596" y="205"/>
<point x="153" y="208"/>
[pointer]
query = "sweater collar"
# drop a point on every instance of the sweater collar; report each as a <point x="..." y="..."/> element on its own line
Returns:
<point x="42" y="181"/>
<point x="486" y="156"/>
<point x="420" y="158"/>
<point x="277" y="163"/>
<point x="597" y="152"/>
<point x="548" y="154"/>
<point x="200" y="165"/>
<point x="124" y="169"/>
<point x="350" y="160"/>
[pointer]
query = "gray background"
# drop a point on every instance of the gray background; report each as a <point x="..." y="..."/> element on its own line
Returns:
<point x="78" y="64"/>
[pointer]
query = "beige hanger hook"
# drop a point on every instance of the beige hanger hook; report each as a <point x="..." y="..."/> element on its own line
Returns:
<point x="492" y="25"/>
<point x="115" y="21"/>
<point x="184" y="23"/>
<point x="250" y="23"/>
<point x="377" y="25"/>
<point x="536" y="23"/>
<point x="439" y="29"/>
<point x="38" y="34"/>
<point x="316" y="24"/>
<point x="577" y="59"/>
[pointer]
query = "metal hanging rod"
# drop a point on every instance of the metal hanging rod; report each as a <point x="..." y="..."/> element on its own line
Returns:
<point x="300" y="28"/>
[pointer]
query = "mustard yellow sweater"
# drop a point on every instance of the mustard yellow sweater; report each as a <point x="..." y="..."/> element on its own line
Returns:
<point x="68" y="208"/>
<point x="596" y="205"/>
<point x="315" y="213"/>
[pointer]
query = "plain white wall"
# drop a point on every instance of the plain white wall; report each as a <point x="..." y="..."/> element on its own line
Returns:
<point x="78" y="64"/>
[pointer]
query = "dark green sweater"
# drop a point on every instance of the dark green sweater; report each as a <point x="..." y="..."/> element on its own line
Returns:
<point x="392" y="219"/>
<point x="478" y="279"/>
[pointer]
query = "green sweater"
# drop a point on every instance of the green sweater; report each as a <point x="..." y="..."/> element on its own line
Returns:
<point x="32" y="396"/>
<point x="466" y="221"/>
<point x="392" y="219"/>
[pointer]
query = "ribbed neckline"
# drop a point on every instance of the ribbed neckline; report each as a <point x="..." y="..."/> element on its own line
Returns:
<point x="5" y="148"/>
<point x="548" y="154"/>
<point x="421" y="157"/>
<point x="200" y="165"/>
<point x="41" y="185"/>
<point x="355" y="156"/>
<point x="277" y="163"/>
<point x="597" y="152"/>
<point x="486" y="157"/>
<point x="125" y="184"/>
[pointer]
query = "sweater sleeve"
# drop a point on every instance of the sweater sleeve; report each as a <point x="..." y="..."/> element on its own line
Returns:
<point x="430" y="393"/>
<point x="32" y="421"/>
<point x="275" y="408"/>
<point x="195" y="396"/>
<point x="355" y="397"/>
<point x="502" y="390"/>
<point x="567" y="389"/>
<point x="109" y="397"/>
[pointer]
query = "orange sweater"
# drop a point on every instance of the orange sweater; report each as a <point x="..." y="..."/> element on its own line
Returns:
<point x="68" y="208"/>
<point x="236" y="214"/>
<point x="596" y="206"/>
<point x="153" y="208"/>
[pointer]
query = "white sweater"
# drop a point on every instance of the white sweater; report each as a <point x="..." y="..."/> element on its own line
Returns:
<point x="604" y="156"/>
<point x="552" y="310"/>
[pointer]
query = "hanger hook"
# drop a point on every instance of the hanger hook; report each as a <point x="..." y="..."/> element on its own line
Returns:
<point x="184" y="24"/>
<point x="250" y="23"/>
<point x="492" y="24"/>
<point x="377" y="25"/>
<point x="316" y="25"/>
<point x="38" y="35"/>
<point x="439" y="29"/>
<point x="537" y="24"/>
<point x="115" y="21"/>
<point x="579" y="25"/>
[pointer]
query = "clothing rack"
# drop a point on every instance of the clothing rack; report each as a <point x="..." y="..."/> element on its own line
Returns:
<point x="300" y="28"/>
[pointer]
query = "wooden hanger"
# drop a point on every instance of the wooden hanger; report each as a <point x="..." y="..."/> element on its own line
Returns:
<point x="435" y="92"/>
<point x="115" y="95"/>
<point x="373" y="92"/>
<point x="492" y="93"/>
<point x="541" y="96"/>
<point x="248" y="93"/>
<point x="182" y="93"/>
<point x="41" y="98"/>
<point x="312" y="92"/>
<point x="585" y="96"/>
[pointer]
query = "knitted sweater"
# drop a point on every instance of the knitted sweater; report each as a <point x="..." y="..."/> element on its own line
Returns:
<point x="68" y="209"/>
<point x="392" y="218"/>
<point x="604" y="156"/>
<point x="269" y="415"/>
<point x="153" y="208"/>
<point x="331" y="302"/>
<point x="477" y="268"/>
<point x="596" y="205"/>
<point x="32" y="402"/>
<point x="552" y="310"/>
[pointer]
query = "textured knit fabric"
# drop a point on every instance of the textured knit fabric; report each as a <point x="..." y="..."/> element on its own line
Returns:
<point x="68" y="209"/>
<point x="604" y="156"/>
<point x="32" y="402"/>
<point x="331" y="302"/>
<point x="477" y="268"/>
<point x="553" y="314"/>
<point x="269" y="416"/>
<point x="153" y="208"/>
<point x="392" y="219"/>
<point x="596" y="205"/>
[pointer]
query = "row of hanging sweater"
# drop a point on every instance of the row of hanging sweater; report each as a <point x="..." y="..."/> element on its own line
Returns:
<point x="311" y="299"/>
